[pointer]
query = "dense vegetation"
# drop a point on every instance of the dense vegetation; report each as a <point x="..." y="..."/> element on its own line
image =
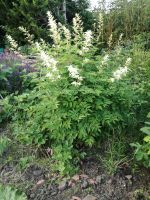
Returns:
<point x="68" y="87"/>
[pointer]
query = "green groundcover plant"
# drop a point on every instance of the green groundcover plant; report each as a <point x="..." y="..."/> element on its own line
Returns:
<point x="7" y="193"/>
<point x="142" y="152"/>
<point x="4" y="141"/>
<point x="79" y="96"/>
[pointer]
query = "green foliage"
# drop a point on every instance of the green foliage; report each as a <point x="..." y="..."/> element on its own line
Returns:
<point x="24" y="162"/>
<point x="140" y="80"/>
<point x="31" y="15"/>
<point x="5" y="109"/>
<point x="141" y="194"/>
<point x="4" y="141"/>
<point x="125" y="17"/>
<point x="129" y="18"/>
<point x="23" y="13"/>
<point x="142" y="152"/>
<point x="7" y="193"/>
<point x="114" y="154"/>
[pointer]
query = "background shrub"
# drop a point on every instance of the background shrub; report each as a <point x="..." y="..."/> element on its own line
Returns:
<point x="13" y="69"/>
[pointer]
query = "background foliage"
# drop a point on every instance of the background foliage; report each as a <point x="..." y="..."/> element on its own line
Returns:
<point x="31" y="15"/>
<point x="127" y="17"/>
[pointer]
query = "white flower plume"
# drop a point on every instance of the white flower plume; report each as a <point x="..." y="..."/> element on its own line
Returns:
<point x="67" y="34"/>
<point x="53" y="27"/>
<point x="12" y="42"/>
<point x="87" y="43"/>
<point x="122" y="71"/>
<point x="74" y="73"/>
<point x="105" y="59"/>
<point x="77" y="27"/>
<point x="47" y="60"/>
<point x="110" y="41"/>
<point x="100" y="26"/>
<point x="28" y="36"/>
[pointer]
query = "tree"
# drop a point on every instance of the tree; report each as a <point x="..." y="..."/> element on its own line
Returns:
<point x="24" y="13"/>
<point x="31" y="14"/>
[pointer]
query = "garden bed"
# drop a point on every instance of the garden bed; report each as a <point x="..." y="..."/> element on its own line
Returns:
<point x="39" y="182"/>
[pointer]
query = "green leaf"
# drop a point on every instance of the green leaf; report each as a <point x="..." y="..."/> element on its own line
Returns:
<point x="146" y="130"/>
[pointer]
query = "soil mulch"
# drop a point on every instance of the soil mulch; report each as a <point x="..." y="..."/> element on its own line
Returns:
<point x="39" y="184"/>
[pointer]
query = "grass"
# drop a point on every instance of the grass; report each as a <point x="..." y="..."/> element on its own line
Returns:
<point x="114" y="155"/>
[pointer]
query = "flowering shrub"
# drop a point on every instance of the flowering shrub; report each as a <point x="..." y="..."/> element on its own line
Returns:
<point x="79" y="97"/>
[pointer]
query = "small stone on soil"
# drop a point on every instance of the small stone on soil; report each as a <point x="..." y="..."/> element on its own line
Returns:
<point x="54" y="193"/>
<point x="92" y="181"/>
<point x="40" y="182"/>
<point x="37" y="172"/>
<point x="32" y="195"/>
<point x="75" y="198"/>
<point x="128" y="177"/>
<point x="110" y="181"/>
<point x="84" y="184"/>
<point x="84" y="176"/>
<point x="71" y="183"/>
<point x="100" y="179"/>
<point x="62" y="185"/>
<point x="90" y="197"/>
<point x="76" y="177"/>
